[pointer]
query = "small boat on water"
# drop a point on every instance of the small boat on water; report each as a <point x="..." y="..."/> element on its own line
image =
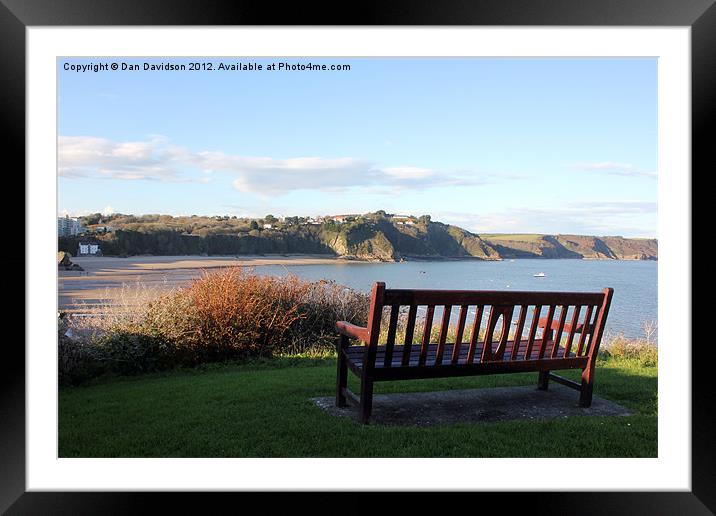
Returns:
<point x="540" y="275"/>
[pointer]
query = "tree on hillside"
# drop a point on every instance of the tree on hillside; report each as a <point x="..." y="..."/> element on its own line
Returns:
<point x="331" y="225"/>
<point x="94" y="218"/>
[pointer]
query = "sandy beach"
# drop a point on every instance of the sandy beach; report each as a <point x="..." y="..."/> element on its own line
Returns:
<point x="103" y="277"/>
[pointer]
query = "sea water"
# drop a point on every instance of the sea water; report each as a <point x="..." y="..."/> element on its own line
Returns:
<point x="634" y="282"/>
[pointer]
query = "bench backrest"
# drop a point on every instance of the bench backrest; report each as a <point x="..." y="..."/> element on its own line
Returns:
<point x="576" y="319"/>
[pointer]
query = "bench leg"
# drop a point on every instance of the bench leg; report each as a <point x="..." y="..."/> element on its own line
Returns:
<point x="342" y="373"/>
<point x="366" y="399"/>
<point x="585" y="394"/>
<point x="543" y="381"/>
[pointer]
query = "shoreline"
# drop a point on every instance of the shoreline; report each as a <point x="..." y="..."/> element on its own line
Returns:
<point x="145" y="263"/>
<point x="174" y="262"/>
<point x="104" y="277"/>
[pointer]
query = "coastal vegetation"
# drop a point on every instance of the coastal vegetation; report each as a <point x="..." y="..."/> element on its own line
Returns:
<point x="221" y="316"/>
<point x="377" y="236"/>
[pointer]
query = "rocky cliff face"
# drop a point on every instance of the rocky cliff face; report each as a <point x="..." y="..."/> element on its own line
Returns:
<point x="633" y="248"/>
<point x="383" y="240"/>
<point x="362" y="242"/>
<point x="372" y="237"/>
<point x="573" y="246"/>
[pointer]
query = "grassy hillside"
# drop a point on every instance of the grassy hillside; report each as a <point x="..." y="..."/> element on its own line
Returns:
<point x="373" y="236"/>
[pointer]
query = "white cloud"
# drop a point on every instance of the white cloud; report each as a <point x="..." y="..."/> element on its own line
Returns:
<point x="108" y="210"/>
<point x="156" y="159"/>
<point x="273" y="176"/>
<point x="409" y="172"/>
<point x="87" y="156"/>
<point x="616" y="169"/>
<point x="65" y="212"/>
<point x="601" y="218"/>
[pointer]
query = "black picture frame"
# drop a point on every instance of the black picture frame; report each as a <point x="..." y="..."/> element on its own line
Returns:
<point x="17" y="15"/>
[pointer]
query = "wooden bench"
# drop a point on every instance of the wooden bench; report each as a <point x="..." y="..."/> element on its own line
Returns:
<point x="570" y="335"/>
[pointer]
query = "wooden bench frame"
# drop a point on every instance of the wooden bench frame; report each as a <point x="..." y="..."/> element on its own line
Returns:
<point x="372" y="362"/>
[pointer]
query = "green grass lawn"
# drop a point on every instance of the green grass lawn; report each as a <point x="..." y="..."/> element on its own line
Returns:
<point x="264" y="410"/>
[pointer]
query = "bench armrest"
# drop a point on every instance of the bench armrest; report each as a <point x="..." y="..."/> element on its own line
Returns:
<point x="352" y="331"/>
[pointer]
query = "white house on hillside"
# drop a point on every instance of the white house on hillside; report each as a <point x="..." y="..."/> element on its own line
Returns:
<point x="343" y="218"/>
<point x="403" y="219"/>
<point x="88" y="249"/>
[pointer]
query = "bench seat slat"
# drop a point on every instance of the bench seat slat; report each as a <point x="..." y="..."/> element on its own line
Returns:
<point x="355" y="354"/>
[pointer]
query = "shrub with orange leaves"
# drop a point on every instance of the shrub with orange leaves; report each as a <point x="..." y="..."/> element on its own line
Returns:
<point x="235" y="313"/>
<point x="223" y="315"/>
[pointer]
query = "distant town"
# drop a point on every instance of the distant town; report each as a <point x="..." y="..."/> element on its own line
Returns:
<point x="71" y="226"/>
<point x="75" y="227"/>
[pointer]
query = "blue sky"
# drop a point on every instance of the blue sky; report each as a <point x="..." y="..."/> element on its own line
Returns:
<point x="492" y="145"/>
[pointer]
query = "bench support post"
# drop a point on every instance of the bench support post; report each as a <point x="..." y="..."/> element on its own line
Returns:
<point x="366" y="398"/>
<point x="543" y="381"/>
<point x="342" y="373"/>
<point x="585" y="394"/>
